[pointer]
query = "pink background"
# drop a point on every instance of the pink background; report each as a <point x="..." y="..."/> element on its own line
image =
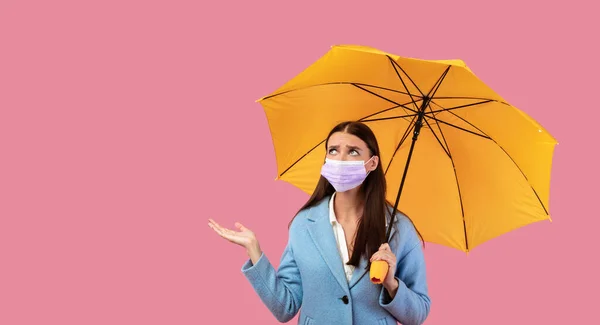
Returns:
<point x="125" y="125"/>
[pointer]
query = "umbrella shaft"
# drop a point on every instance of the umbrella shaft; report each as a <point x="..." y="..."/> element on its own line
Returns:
<point x="416" y="132"/>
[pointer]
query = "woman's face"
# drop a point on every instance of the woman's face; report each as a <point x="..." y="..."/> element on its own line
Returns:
<point x="345" y="146"/>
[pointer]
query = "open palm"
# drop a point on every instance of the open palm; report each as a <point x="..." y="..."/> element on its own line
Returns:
<point x="244" y="237"/>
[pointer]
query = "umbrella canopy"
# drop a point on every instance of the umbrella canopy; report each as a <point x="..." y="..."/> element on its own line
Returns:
<point x="479" y="168"/>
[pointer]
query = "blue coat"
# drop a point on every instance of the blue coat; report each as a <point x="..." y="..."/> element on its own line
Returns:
<point x="311" y="276"/>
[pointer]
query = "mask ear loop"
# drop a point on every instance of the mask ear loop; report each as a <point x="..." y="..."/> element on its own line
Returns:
<point x="366" y="163"/>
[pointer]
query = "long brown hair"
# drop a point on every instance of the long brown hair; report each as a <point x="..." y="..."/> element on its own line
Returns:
<point x="371" y="228"/>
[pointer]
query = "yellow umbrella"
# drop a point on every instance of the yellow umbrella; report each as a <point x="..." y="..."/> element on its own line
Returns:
<point x="479" y="169"/>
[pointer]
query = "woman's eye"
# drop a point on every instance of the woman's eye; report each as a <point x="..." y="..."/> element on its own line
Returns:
<point x="353" y="152"/>
<point x="332" y="151"/>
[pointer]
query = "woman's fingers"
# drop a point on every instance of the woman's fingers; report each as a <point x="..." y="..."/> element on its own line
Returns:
<point x="385" y="247"/>
<point x="384" y="255"/>
<point x="213" y="224"/>
<point x="232" y="236"/>
<point x="386" y="259"/>
<point x="219" y="230"/>
<point x="377" y="256"/>
<point x="240" y="227"/>
<point x="224" y="230"/>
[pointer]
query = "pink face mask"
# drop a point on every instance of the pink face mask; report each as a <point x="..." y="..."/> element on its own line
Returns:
<point x="344" y="175"/>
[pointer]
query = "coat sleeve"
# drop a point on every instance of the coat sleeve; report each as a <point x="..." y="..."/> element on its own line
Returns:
<point x="280" y="290"/>
<point x="411" y="304"/>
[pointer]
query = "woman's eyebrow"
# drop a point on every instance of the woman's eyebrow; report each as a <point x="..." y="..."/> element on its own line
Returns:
<point x="353" y="148"/>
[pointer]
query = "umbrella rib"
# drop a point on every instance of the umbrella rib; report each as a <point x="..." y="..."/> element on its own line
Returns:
<point x="438" y="83"/>
<point x="462" y="208"/>
<point x="478" y="98"/>
<point x="458" y="127"/>
<point x="403" y="84"/>
<point x="385" y="98"/>
<point x="389" y="118"/>
<point x="333" y="83"/>
<point x="383" y="111"/>
<point x="511" y="159"/>
<point x="458" y="107"/>
<point x="404" y="137"/>
<point x="407" y="75"/>
<point x="438" y="139"/>
<point x="304" y="155"/>
<point x="364" y="119"/>
<point x="382" y="88"/>
<point x="443" y="137"/>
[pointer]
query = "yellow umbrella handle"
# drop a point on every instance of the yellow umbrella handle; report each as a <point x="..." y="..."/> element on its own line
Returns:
<point x="378" y="271"/>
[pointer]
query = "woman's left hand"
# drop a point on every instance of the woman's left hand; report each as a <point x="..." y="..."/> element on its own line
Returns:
<point x="385" y="254"/>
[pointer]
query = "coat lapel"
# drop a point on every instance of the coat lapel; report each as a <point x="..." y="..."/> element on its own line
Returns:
<point x="321" y="233"/>
<point x="359" y="272"/>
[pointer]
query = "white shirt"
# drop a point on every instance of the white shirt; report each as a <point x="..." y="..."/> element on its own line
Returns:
<point x="340" y="238"/>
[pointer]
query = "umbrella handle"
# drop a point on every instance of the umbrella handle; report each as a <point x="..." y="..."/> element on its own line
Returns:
<point x="378" y="272"/>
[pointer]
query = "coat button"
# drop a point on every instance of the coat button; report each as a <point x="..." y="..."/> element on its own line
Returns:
<point x="345" y="299"/>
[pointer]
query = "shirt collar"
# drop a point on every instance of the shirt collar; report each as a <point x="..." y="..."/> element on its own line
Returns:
<point x="332" y="217"/>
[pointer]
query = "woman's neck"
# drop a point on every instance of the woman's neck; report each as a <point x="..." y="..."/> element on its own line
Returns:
<point x="348" y="206"/>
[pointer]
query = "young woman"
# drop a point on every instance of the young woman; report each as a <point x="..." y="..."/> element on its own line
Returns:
<point x="332" y="240"/>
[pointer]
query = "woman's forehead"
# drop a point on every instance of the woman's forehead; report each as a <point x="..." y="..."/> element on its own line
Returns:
<point x="346" y="139"/>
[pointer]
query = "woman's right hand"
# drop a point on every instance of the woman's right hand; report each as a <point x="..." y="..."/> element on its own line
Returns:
<point x="244" y="237"/>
